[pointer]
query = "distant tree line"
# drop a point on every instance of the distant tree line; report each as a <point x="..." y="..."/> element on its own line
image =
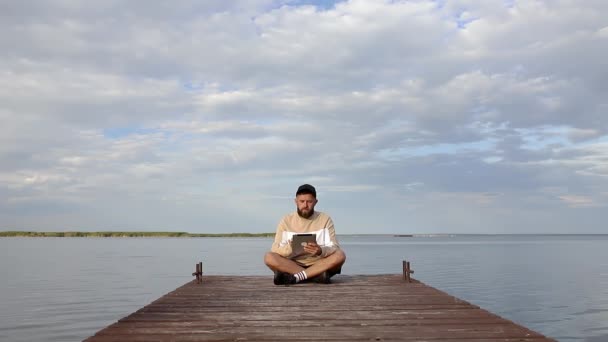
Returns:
<point x="126" y="234"/>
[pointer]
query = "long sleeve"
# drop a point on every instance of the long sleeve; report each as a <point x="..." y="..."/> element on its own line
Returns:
<point x="333" y="245"/>
<point x="280" y="246"/>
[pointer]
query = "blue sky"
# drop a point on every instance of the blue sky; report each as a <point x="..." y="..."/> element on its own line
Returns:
<point x="408" y="116"/>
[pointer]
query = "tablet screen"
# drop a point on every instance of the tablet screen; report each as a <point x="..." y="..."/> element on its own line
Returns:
<point x="299" y="241"/>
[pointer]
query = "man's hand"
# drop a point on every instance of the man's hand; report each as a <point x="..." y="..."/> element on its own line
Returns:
<point x="313" y="249"/>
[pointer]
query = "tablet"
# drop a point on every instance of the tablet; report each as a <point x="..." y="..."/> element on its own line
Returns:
<point x="299" y="241"/>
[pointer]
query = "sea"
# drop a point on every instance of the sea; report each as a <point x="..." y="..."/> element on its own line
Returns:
<point x="66" y="289"/>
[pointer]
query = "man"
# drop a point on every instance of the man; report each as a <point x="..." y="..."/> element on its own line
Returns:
<point x="321" y="259"/>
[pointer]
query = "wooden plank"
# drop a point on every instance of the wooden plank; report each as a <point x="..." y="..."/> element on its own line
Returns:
<point x="352" y="308"/>
<point x="309" y="337"/>
<point x="357" y="315"/>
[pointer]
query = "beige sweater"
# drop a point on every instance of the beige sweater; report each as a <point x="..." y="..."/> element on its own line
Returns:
<point x="319" y="224"/>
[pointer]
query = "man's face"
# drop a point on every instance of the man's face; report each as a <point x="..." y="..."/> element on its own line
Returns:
<point x="306" y="205"/>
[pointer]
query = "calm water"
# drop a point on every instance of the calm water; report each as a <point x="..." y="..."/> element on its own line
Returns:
<point x="66" y="289"/>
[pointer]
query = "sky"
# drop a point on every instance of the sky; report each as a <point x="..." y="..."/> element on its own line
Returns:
<point x="422" y="117"/>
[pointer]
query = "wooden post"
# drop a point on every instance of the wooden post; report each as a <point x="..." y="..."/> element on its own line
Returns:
<point x="407" y="271"/>
<point x="198" y="273"/>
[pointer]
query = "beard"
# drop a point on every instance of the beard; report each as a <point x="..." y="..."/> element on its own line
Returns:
<point x="306" y="215"/>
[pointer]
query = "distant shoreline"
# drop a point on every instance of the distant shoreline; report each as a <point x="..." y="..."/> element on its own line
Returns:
<point x="128" y="234"/>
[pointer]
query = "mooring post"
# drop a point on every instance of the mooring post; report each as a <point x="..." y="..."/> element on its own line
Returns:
<point x="407" y="271"/>
<point x="198" y="273"/>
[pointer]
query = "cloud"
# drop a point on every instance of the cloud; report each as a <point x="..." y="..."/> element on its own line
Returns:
<point x="206" y="116"/>
<point x="578" y="201"/>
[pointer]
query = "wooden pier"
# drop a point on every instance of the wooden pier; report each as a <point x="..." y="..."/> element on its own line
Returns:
<point x="351" y="308"/>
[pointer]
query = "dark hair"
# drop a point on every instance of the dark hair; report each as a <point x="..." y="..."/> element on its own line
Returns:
<point x="306" y="189"/>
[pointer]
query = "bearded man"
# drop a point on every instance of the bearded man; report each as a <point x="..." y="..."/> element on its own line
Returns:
<point x="319" y="260"/>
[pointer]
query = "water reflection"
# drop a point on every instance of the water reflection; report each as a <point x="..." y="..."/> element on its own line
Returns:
<point x="65" y="289"/>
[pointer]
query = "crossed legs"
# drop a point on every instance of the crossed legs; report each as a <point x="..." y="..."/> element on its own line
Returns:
<point x="279" y="263"/>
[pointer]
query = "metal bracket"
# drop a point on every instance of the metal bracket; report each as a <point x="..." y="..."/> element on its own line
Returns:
<point x="198" y="273"/>
<point x="407" y="271"/>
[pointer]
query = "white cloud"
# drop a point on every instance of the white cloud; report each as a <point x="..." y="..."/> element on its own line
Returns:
<point x="206" y="116"/>
<point x="576" y="201"/>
